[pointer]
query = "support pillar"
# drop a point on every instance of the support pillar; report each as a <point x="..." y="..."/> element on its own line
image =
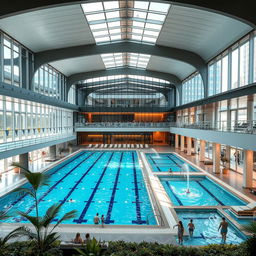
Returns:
<point x="189" y="145"/>
<point x="182" y="142"/>
<point x="195" y="146"/>
<point x="23" y="160"/>
<point x="202" y="151"/>
<point x="52" y="151"/>
<point x="216" y="157"/>
<point x="248" y="169"/>
<point x="228" y="156"/>
<point x="176" y="140"/>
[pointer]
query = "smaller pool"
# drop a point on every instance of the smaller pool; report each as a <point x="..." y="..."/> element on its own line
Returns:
<point x="164" y="161"/>
<point x="203" y="191"/>
<point x="206" y="228"/>
<point x="240" y="220"/>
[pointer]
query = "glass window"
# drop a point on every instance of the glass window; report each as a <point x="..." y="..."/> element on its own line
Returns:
<point x="224" y="74"/>
<point x="211" y="80"/>
<point x="244" y="64"/>
<point x="7" y="61"/>
<point x="234" y="75"/>
<point x="254" y="58"/>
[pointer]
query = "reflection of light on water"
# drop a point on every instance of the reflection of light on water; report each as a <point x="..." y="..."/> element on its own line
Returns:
<point x="157" y="156"/>
<point x="193" y="193"/>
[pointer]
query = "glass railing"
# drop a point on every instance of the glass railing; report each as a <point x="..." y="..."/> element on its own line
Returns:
<point x="123" y="125"/>
<point x="248" y="127"/>
<point x="33" y="141"/>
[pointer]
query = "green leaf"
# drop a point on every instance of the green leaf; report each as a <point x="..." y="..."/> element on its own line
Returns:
<point x="251" y="228"/>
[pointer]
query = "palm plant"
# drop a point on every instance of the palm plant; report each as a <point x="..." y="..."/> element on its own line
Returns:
<point x="11" y="235"/>
<point x="44" y="234"/>
<point x="91" y="248"/>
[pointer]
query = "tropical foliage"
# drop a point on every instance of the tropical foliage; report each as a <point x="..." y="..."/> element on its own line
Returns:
<point x="91" y="248"/>
<point x="43" y="233"/>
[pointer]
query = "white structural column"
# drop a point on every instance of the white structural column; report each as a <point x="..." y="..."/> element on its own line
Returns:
<point x="189" y="145"/>
<point x="202" y="150"/>
<point x="182" y="142"/>
<point x="216" y="157"/>
<point x="176" y="140"/>
<point x="248" y="168"/>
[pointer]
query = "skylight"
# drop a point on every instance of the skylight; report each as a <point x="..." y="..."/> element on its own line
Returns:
<point x="139" y="21"/>
<point x="114" y="60"/>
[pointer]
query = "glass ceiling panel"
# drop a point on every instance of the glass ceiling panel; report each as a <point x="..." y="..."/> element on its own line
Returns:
<point x="139" y="21"/>
<point x="125" y="59"/>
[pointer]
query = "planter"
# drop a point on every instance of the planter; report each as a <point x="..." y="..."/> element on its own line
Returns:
<point x="225" y="170"/>
<point x="16" y="170"/>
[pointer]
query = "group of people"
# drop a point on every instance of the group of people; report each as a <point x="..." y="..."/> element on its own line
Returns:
<point x="223" y="227"/>
<point x="99" y="220"/>
<point x="78" y="239"/>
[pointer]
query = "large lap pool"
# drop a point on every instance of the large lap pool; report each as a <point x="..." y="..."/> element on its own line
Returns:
<point x="164" y="161"/>
<point x="206" y="228"/>
<point x="203" y="191"/>
<point x="107" y="182"/>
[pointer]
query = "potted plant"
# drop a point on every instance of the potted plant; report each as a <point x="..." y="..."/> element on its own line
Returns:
<point x="224" y="161"/>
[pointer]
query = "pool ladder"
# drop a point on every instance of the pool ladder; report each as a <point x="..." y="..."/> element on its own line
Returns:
<point x="150" y="215"/>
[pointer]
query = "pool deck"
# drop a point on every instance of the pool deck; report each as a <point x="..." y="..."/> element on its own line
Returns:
<point x="233" y="178"/>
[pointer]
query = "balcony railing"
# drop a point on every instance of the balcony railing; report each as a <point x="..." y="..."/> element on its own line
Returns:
<point x="32" y="141"/>
<point x="123" y="125"/>
<point x="248" y="127"/>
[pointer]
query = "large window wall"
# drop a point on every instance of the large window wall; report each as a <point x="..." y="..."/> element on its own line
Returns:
<point x="50" y="82"/>
<point x="234" y="68"/>
<point x="72" y="95"/>
<point x="192" y="89"/>
<point x="25" y="120"/>
<point x="16" y="62"/>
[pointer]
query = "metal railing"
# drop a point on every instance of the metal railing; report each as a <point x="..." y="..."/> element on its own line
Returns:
<point x="248" y="127"/>
<point x="29" y="142"/>
<point x="123" y="125"/>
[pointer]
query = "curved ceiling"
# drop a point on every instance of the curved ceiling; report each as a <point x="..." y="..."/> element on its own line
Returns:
<point x="78" y="65"/>
<point x="178" y="68"/>
<point x="203" y="32"/>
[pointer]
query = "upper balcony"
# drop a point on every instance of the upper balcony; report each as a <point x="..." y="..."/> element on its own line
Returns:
<point x="122" y="127"/>
<point x="125" y="108"/>
<point x="247" y="127"/>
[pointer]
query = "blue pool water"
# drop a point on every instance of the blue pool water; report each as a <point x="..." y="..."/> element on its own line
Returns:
<point x="109" y="182"/>
<point x="203" y="191"/>
<point x="164" y="161"/>
<point x="206" y="228"/>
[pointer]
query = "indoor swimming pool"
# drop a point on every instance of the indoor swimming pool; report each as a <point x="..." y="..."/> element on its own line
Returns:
<point x="164" y="161"/>
<point x="206" y="228"/>
<point x="104" y="182"/>
<point x="203" y="192"/>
